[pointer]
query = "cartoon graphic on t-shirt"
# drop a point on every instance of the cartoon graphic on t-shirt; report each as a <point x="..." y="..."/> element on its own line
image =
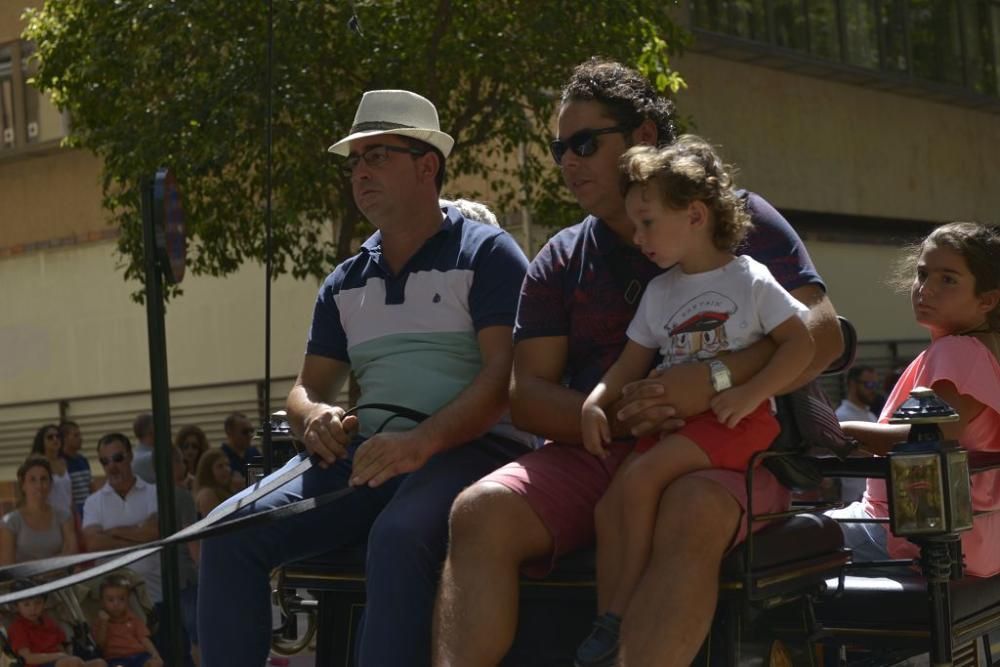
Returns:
<point x="698" y="329"/>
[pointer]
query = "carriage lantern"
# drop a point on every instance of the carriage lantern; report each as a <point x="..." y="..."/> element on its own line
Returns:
<point x="928" y="486"/>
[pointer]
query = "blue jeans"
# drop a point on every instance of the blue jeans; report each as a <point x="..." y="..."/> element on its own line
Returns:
<point x="405" y="522"/>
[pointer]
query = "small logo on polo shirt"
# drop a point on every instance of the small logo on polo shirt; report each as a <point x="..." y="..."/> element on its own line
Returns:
<point x="437" y="298"/>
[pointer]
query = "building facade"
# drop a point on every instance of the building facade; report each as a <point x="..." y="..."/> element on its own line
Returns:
<point x="865" y="122"/>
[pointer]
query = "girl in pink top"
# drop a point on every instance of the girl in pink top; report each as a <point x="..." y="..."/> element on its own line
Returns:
<point x="955" y="290"/>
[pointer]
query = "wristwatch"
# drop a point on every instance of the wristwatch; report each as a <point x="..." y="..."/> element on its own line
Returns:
<point x="722" y="379"/>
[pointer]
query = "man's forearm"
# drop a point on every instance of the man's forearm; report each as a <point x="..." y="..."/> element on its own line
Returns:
<point x="470" y="414"/>
<point x="301" y="401"/>
<point x="136" y="534"/>
<point x="547" y="409"/>
<point x="103" y="540"/>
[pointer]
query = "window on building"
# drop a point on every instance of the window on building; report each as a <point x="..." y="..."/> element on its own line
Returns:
<point x="6" y="98"/>
<point x="955" y="42"/>
<point x="27" y="116"/>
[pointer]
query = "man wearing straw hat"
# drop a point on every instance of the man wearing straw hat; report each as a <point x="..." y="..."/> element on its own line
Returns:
<point x="423" y="316"/>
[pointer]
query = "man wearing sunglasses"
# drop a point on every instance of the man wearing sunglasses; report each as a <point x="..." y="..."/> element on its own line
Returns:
<point x="237" y="447"/>
<point x="123" y="513"/>
<point x="862" y="392"/>
<point x="579" y="296"/>
<point x="422" y="316"/>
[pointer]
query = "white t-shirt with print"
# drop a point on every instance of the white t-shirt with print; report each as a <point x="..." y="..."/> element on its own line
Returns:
<point x="692" y="317"/>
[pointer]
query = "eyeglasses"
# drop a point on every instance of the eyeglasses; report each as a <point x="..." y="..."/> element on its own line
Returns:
<point x="51" y="436"/>
<point x="375" y="156"/>
<point x="189" y="445"/>
<point x="582" y="143"/>
<point x="870" y="384"/>
<point x="247" y="431"/>
<point x="118" y="457"/>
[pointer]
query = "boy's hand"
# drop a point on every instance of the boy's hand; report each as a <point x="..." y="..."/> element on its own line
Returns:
<point x="103" y="615"/>
<point x="732" y="405"/>
<point x="595" y="430"/>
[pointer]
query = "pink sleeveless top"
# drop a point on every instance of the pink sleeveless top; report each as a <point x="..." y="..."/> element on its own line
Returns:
<point x="973" y="369"/>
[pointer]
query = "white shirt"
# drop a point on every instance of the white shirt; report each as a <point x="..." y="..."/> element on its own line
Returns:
<point x="106" y="509"/>
<point x="61" y="492"/>
<point x="849" y="412"/>
<point x="696" y="316"/>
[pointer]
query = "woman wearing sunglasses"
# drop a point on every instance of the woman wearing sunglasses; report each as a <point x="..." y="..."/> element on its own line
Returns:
<point x="35" y="529"/>
<point x="48" y="444"/>
<point x="192" y="443"/>
<point x="578" y="298"/>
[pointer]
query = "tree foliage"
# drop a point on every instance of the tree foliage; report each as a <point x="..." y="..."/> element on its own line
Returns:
<point x="183" y="84"/>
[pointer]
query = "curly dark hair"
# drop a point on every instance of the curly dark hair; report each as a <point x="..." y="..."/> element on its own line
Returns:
<point x="38" y="443"/>
<point x="690" y="170"/>
<point x="625" y="93"/>
<point x="979" y="246"/>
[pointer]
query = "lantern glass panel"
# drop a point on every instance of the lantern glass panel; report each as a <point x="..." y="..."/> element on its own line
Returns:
<point x="960" y="489"/>
<point x="918" y="494"/>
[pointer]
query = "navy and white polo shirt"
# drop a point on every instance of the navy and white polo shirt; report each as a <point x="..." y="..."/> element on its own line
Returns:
<point x="410" y="338"/>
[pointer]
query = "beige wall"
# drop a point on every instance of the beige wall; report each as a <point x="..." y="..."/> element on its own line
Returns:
<point x="856" y="277"/>
<point x="10" y="18"/>
<point x="68" y="327"/>
<point x="816" y="145"/>
<point x="53" y="195"/>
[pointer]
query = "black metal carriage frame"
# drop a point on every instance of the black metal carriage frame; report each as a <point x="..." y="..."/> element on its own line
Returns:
<point x="789" y="593"/>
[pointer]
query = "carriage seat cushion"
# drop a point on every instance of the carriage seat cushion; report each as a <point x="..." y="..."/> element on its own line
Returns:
<point x="786" y="542"/>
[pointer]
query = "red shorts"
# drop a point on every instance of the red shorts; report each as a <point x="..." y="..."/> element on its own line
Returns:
<point x="562" y="484"/>
<point x="727" y="448"/>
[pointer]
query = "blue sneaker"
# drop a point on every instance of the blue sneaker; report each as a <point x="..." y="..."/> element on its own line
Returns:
<point x="600" y="648"/>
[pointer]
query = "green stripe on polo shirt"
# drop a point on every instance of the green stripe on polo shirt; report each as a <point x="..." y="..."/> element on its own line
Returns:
<point x="420" y="371"/>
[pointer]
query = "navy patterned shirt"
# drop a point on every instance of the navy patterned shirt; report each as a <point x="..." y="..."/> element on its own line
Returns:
<point x="577" y="283"/>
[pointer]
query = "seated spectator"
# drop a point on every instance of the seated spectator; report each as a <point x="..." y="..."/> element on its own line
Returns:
<point x="121" y="635"/>
<point x="35" y="529"/>
<point x="81" y="480"/>
<point x="47" y="443"/>
<point x="954" y="283"/>
<point x="142" y="463"/>
<point x="237" y="447"/>
<point x="192" y="443"/>
<point x="37" y="639"/>
<point x="212" y="483"/>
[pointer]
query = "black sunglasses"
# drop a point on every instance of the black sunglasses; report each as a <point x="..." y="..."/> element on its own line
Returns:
<point x="375" y="156"/>
<point x="247" y="431"/>
<point x="118" y="457"/>
<point x="582" y="143"/>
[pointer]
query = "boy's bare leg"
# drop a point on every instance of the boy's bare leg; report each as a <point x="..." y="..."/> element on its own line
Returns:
<point x="493" y="531"/>
<point x="643" y="485"/>
<point x="670" y="613"/>
<point x="608" y="522"/>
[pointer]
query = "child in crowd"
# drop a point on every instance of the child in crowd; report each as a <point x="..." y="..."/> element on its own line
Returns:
<point x="686" y="216"/>
<point x="37" y="639"/>
<point x="953" y="277"/>
<point x="121" y="635"/>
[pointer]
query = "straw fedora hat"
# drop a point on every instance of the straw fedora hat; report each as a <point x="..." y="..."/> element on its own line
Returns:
<point x="396" y="112"/>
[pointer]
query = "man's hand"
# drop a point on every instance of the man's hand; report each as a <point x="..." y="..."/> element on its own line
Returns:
<point x="383" y="456"/>
<point x="658" y="403"/>
<point x="595" y="430"/>
<point x="732" y="405"/>
<point x="328" y="432"/>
